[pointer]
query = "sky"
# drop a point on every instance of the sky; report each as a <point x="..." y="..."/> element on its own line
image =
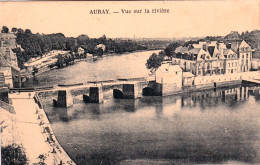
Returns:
<point x="185" y="18"/>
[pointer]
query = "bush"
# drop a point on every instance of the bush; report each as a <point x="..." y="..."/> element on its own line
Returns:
<point x="13" y="154"/>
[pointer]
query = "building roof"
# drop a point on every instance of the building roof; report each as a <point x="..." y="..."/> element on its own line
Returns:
<point x="195" y="50"/>
<point x="188" y="74"/>
<point x="225" y="51"/>
<point x="165" y="67"/>
<point x="176" y="67"/>
<point x="238" y="44"/>
<point x="211" y="50"/>
<point x="243" y="44"/>
<point x="182" y="49"/>
<point x="7" y="35"/>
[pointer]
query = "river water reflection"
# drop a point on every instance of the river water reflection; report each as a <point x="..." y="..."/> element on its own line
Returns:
<point x="201" y="127"/>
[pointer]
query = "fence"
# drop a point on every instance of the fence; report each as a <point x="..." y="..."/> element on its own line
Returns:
<point x="38" y="100"/>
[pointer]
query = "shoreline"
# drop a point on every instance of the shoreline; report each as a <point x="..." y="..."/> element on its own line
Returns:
<point x="49" y="134"/>
<point x="32" y="130"/>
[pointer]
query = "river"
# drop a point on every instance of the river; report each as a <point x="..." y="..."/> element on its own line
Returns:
<point x="208" y="127"/>
<point x="106" y="68"/>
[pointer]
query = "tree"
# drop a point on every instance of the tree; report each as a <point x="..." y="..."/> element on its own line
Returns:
<point x="14" y="30"/>
<point x="5" y="29"/>
<point x="233" y="35"/>
<point x="154" y="62"/>
<point x="99" y="52"/>
<point x="169" y="50"/>
<point x="28" y="31"/>
<point x="20" y="31"/>
<point x="187" y="43"/>
<point x="13" y="154"/>
<point x="60" y="61"/>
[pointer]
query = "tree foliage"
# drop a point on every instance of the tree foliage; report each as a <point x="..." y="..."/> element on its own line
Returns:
<point x="5" y="29"/>
<point x="155" y="61"/>
<point x="169" y="50"/>
<point x="35" y="45"/>
<point x="13" y="154"/>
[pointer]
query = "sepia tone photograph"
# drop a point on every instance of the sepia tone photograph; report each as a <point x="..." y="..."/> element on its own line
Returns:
<point x="130" y="82"/>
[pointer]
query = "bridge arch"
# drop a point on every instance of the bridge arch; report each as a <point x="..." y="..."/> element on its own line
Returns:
<point x="148" y="91"/>
<point x="118" y="94"/>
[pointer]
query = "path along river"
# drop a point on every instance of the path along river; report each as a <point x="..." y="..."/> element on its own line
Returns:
<point x="221" y="126"/>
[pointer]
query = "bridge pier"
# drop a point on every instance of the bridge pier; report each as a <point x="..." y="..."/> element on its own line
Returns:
<point x="95" y="95"/>
<point x="130" y="91"/>
<point x="64" y="99"/>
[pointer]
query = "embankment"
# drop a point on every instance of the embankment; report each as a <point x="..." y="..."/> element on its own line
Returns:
<point x="48" y="133"/>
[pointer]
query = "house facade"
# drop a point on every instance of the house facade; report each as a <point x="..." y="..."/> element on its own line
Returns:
<point x="244" y="52"/>
<point x="213" y="58"/>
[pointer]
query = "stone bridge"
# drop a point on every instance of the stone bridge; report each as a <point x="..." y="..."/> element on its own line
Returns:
<point x="121" y="90"/>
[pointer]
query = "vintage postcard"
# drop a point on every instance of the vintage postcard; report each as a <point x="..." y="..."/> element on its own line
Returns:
<point x="130" y="82"/>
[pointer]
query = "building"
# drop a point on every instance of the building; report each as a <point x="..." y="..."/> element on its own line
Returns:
<point x="8" y="60"/>
<point x="195" y="60"/>
<point x="102" y="46"/>
<point x="81" y="51"/>
<point x="169" y="73"/>
<point x="168" y="79"/>
<point x="187" y="79"/>
<point x="244" y="52"/>
<point x="231" y="61"/>
<point x="213" y="58"/>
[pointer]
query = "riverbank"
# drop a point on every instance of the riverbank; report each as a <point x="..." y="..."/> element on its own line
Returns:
<point x="31" y="129"/>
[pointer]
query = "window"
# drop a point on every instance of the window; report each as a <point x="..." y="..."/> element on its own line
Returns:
<point x="246" y="55"/>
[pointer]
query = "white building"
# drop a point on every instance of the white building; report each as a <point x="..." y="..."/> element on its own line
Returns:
<point x="169" y="73"/>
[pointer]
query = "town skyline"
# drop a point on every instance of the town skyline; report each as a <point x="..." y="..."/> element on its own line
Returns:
<point x="186" y="19"/>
